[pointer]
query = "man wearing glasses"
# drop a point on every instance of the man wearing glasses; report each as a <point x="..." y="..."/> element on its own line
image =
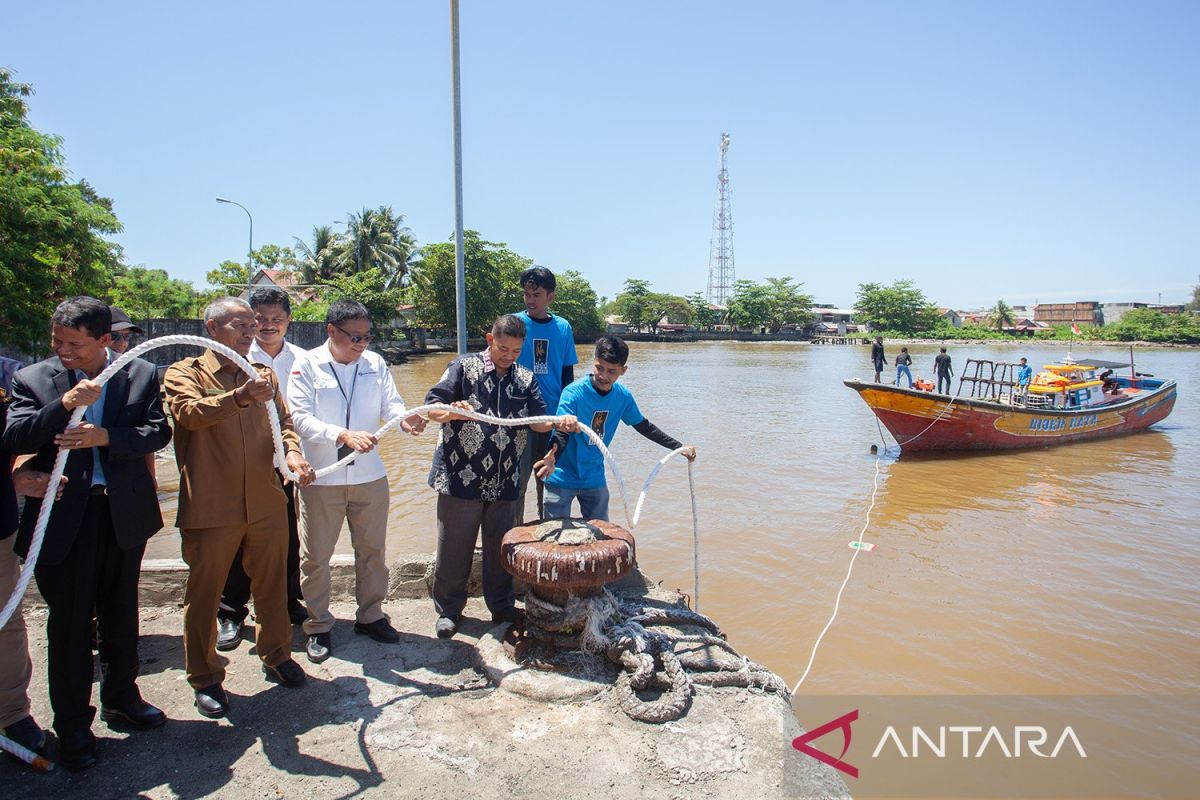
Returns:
<point x="339" y="396"/>
<point x="273" y="313"/>
<point x="231" y="498"/>
<point x="122" y="331"/>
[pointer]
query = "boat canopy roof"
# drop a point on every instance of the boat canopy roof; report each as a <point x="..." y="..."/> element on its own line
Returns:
<point x="1094" y="362"/>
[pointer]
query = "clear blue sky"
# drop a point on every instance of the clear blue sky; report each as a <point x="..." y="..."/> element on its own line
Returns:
<point x="1026" y="150"/>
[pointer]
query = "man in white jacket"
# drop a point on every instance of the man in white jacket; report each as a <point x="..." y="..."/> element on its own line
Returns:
<point x="339" y="395"/>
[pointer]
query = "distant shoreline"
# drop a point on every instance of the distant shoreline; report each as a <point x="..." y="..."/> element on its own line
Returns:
<point x="752" y="338"/>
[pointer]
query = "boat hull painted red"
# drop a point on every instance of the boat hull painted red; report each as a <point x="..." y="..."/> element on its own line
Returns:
<point x="923" y="421"/>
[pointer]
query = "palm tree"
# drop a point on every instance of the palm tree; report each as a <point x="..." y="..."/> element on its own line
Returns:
<point x="1001" y="315"/>
<point x="317" y="259"/>
<point x="377" y="239"/>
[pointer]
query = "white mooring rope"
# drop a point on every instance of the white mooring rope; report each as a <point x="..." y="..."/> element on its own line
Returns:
<point x="837" y="601"/>
<point x="60" y="463"/>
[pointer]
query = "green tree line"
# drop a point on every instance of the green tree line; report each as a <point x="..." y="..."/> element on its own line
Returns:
<point x="55" y="242"/>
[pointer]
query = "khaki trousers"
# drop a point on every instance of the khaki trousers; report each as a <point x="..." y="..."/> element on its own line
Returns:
<point x="323" y="509"/>
<point x="209" y="553"/>
<point x="15" y="666"/>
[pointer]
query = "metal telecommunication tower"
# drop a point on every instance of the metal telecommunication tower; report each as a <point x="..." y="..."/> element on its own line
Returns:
<point x="720" y="247"/>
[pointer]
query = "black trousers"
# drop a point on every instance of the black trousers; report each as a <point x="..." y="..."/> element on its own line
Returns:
<point x="236" y="594"/>
<point x="96" y="574"/>
<point x="459" y="523"/>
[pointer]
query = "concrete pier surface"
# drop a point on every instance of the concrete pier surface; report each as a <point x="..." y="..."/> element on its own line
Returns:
<point x="417" y="719"/>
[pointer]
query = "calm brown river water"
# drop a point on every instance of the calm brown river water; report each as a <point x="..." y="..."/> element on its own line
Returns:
<point x="1063" y="571"/>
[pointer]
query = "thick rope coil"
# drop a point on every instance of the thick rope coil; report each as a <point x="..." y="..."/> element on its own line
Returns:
<point x="648" y="658"/>
<point x="675" y="616"/>
<point x="671" y="704"/>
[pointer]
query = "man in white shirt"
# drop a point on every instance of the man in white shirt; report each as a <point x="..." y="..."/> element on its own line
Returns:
<point x="339" y="395"/>
<point x="273" y="312"/>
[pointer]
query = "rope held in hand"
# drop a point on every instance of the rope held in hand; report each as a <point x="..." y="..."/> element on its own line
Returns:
<point x="60" y="464"/>
<point x="60" y="461"/>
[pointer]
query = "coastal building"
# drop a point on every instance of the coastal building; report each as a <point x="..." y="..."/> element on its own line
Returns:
<point x="405" y="317"/>
<point x="1084" y="312"/>
<point x="828" y="319"/>
<point x="951" y="316"/>
<point x="616" y="325"/>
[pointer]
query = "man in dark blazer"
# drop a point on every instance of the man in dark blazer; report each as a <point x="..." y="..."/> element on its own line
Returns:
<point x="15" y="667"/>
<point x="92" y="552"/>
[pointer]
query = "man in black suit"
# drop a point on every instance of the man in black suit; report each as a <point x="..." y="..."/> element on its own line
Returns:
<point x="15" y="667"/>
<point x="92" y="552"/>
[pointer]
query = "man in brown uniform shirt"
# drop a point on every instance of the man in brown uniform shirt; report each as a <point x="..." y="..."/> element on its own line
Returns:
<point x="230" y="497"/>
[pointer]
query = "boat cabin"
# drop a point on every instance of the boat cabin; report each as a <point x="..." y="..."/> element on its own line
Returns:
<point x="1074" y="385"/>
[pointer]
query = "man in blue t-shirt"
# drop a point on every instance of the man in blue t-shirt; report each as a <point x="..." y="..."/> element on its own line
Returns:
<point x="1024" y="374"/>
<point x="574" y="467"/>
<point x="549" y="353"/>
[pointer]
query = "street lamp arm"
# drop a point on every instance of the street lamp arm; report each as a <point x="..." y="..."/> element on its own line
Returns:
<point x="250" y="254"/>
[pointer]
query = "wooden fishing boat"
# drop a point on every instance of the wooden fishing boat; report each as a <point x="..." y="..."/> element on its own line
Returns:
<point x="1067" y="402"/>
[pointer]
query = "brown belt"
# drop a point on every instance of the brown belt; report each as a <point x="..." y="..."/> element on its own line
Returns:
<point x="99" y="490"/>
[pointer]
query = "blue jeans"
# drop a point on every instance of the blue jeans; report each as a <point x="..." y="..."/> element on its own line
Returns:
<point x="902" y="369"/>
<point x="593" y="503"/>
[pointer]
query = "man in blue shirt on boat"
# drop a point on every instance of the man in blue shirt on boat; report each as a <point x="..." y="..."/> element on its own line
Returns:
<point x="574" y="467"/>
<point x="1024" y="375"/>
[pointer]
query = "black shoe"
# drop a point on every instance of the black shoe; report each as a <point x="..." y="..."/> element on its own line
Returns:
<point x="229" y="634"/>
<point x="380" y="630"/>
<point x="212" y="702"/>
<point x="446" y="627"/>
<point x="318" y="647"/>
<point x="77" y="749"/>
<point x="138" y="715"/>
<point x="287" y="673"/>
<point x="511" y="614"/>
<point x="28" y="734"/>
<point x="297" y="613"/>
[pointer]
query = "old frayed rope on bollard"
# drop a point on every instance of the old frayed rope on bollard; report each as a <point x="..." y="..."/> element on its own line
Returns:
<point x="648" y="658"/>
<point x="60" y="463"/>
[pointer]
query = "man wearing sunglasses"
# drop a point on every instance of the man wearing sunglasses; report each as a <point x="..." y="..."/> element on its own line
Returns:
<point x="339" y="396"/>
<point x="122" y="331"/>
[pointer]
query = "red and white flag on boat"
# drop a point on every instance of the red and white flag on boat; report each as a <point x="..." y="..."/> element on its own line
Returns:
<point x="1075" y="329"/>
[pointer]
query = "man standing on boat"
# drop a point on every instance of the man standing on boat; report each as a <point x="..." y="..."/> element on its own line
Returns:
<point x="904" y="366"/>
<point x="1024" y="375"/>
<point x="877" y="357"/>
<point x="941" y="365"/>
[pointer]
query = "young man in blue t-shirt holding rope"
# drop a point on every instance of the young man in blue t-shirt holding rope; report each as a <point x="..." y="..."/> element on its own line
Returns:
<point x="549" y="353"/>
<point x="574" y="467"/>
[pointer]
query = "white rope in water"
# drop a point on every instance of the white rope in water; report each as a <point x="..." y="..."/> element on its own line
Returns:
<point x="837" y="602"/>
<point x="695" y="543"/>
